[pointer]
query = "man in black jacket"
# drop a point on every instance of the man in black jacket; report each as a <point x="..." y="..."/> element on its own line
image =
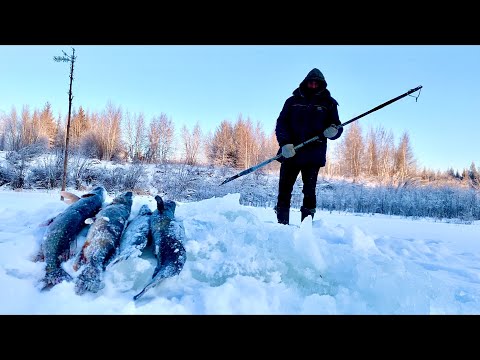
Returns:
<point x="311" y="111"/>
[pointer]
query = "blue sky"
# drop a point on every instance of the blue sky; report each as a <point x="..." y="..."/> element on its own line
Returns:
<point x="211" y="83"/>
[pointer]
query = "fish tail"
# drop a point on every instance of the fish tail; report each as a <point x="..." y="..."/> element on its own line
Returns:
<point x="54" y="277"/>
<point x="38" y="256"/>
<point x="160" y="204"/>
<point x="117" y="260"/>
<point x="136" y="297"/>
<point x="89" y="280"/>
<point x="154" y="282"/>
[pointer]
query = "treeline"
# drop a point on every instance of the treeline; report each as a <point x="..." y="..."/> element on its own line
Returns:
<point x="116" y="135"/>
<point x="446" y="203"/>
<point x="186" y="183"/>
<point x="376" y="157"/>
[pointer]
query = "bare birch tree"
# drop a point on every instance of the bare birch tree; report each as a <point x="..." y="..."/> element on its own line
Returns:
<point x="258" y="144"/>
<point x="153" y="141"/>
<point x="110" y="130"/>
<point x="191" y="143"/>
<point x="47" y="128"/>
<point x="161" y="138"/>
<point x="2" y="132"/>
<point x="351" y="151"/>
<point x="221" y="147"/>
<point x="13" y="133"/>
<point x="243" y="140"/>
<point x="26" y="128"/>
<point x="371" y="154"/>
<point x="79" y="127"/>
<point x="135" y="135"/>
<point x="167" y="135"/>
<point x="386" y="146"/>
<point x="404" y="162"/>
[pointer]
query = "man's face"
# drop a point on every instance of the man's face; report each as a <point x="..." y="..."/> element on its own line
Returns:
<point x="313" y="84"/>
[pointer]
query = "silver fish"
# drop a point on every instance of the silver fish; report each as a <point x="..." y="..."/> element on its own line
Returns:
<point x="168" y="236"/>
<point x="103" y="239"/>
<point x="136" y="236"/>
<point x="62" y="231"/>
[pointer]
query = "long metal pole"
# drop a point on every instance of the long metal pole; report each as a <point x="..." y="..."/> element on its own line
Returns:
<point x="256" y="167"/>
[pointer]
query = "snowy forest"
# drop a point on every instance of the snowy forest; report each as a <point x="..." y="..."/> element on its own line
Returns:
<point x="367" y="171"/>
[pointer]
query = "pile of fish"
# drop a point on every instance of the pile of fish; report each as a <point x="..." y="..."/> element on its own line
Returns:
<point x="111" y="238"/>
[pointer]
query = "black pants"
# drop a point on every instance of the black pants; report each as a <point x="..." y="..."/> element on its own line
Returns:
<point x="288" y="175"/>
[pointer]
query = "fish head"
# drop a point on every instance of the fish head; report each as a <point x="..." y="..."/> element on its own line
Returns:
<point x="97" y="191"/>
<point x="126" y="199"/>
<point x="144" y="210"/>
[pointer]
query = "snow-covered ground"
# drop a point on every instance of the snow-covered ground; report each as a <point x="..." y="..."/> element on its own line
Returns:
<point x="240" y="261"/>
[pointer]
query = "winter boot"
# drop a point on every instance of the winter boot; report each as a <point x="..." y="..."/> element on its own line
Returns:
<point x="283" y="215"/>
<point x="307" y="212"/>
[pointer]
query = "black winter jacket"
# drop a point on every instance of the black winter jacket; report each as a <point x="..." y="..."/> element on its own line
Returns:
<point x="304" y="117"/>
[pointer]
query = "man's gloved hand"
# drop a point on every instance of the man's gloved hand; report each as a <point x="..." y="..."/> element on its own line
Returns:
<point x="288" y="151"/>
<point x="331" y="131"/>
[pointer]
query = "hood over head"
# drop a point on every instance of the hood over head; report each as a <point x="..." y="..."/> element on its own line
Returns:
<point x="314" y="74"/>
